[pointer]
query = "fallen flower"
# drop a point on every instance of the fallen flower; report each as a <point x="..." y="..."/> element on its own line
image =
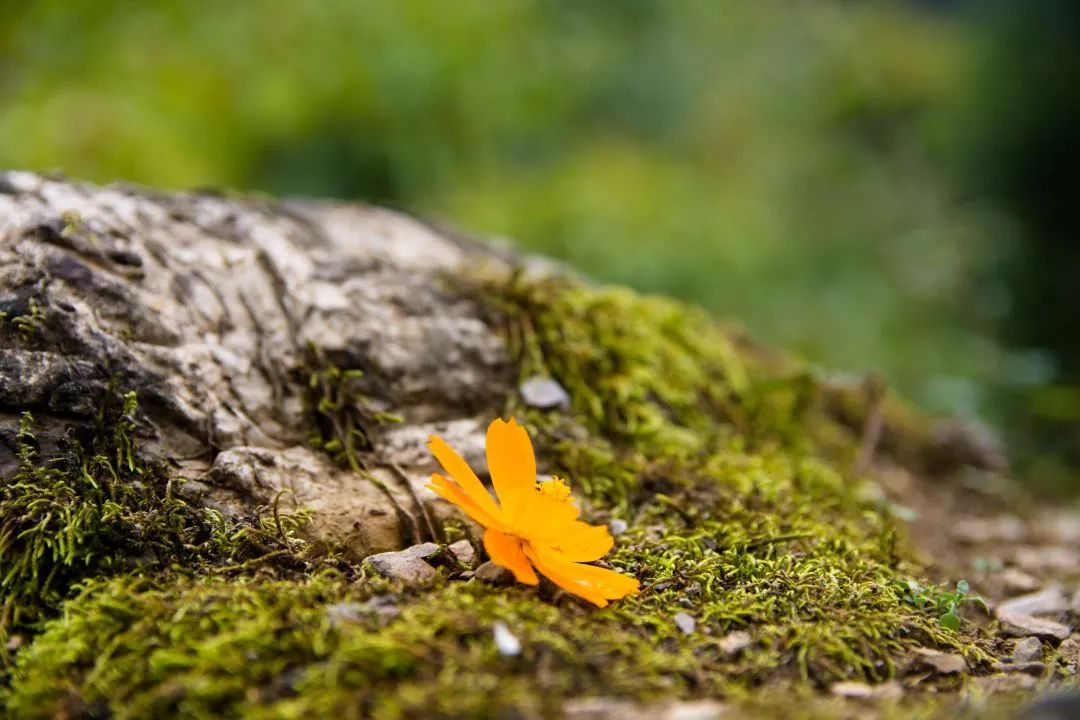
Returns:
<point x="533" y="526"/>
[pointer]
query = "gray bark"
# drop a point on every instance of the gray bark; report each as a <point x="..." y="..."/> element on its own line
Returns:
<point x="215" y="311"/>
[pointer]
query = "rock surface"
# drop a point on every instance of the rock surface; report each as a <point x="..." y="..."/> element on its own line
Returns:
<point x="217" y="312"/>
<point x="940" y="662"/>
<point x="1027" y="650"/>
<point x="1017" y="625"/>
<point x="408" y="566"/>
<point x="493" y="574"/>
<point x="1049" y="601"/>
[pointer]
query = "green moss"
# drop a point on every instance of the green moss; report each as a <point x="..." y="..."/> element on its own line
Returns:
<point x="97" y="509"/>
<point x="742" y="508"/>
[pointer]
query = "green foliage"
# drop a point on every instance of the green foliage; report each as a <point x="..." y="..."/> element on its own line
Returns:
<point x="674" y="147"/>
<point x="97" y="509"/>
<point x="942" y="602"/>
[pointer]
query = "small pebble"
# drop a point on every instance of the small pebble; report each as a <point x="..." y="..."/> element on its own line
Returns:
<point x="544" y="393"/>
<point x="1017" y="625"/>
<point x="1027" y="650"/>
<point x="685" y="622"/>
<point x="1031" y="668"/>
<point x="1049" y="601"/>
<point x="493" y="574"/>
<point x="406" y="566"/>
<point x="617" y="526"/>
<point x="940" y="662"/>
<point x="464" y="552"/>
<point x="507" y="644"/>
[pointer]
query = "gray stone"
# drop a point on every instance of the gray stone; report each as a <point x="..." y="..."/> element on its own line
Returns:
<point x="544" y="393"/>
<point x="1069" y="652"/>
<point x="1027" y="650"/>
<point x="1017" y="625"/>
<point x="494" y="574"/>
<point x="406" y="566"/>
<point x="617" y="526"/>
<point x="464" y="552"/>
<point x="1048" y="601"/>
<point x="940" y="662"/>
<point x="685" y="622"/>
<point x="1037" y="669"/>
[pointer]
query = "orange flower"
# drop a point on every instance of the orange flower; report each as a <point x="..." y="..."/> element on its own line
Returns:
<point x="533" y="526"/>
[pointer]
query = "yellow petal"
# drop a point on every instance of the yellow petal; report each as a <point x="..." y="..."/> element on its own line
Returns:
<point x="582" y="542"/>
<point x="505" y="551"/>
<point x="463" y="475"/>
<point x="595" y="584"/>
<point x="452" y="492"/>
<point x="512" y="466"/>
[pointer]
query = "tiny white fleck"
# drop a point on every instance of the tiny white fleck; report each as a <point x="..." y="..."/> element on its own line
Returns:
<point x="685" y="622"/>
<point x="508" y="645"/>
<point x="617" y="526"/>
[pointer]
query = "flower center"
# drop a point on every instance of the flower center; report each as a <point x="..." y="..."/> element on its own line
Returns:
<point x="554" y="488"/>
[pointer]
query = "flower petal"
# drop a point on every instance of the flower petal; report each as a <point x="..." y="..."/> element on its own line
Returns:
<point x="512" y="465"/>
<point x="545" y="520"/>
<point x="463" y="475"/>
<point x="595" y="584"/>
<point x="453" y="492"/>
<point x="582" y="542"/>
<point x="505" y="551"/>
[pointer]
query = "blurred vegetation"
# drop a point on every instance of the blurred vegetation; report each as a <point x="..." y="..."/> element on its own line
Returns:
<point x="865" y="183"/>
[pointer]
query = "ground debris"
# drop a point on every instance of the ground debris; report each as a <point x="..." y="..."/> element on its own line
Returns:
<point x="493" y="574"/>
<point x="1018" y="625"/>
<point x="407" y="566"/>
<point x="1049" y="601"/>
<point x="1027" y="650"/>
<point x="544" y="393"/>
<point x="940" y="662"/>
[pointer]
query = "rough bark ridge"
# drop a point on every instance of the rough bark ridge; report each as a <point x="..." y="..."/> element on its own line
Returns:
<point x="226" y="316"/>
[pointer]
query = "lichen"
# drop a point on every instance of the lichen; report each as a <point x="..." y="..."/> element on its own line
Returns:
<point x="742" y="511"/>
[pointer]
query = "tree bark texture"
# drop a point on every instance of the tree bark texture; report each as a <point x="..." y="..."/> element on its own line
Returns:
<point x="230" y="319"/>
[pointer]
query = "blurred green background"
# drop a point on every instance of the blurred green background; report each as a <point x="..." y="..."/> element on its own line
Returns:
<point x="876" y="185"/>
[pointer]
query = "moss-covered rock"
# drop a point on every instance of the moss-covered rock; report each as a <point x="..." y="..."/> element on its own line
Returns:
<point x="742" y="511"/>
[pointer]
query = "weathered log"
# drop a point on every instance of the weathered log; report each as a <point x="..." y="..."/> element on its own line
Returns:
<point x="232" y="319"/>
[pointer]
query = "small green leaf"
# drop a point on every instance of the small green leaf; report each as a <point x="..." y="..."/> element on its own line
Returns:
<point x="950" y="621"/>
<point x="962" y="587"/>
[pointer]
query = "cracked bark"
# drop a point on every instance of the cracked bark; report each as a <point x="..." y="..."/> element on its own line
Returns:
<point x="209" y="308"/>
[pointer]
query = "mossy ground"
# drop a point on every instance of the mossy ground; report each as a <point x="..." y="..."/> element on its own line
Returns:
<point x="737" y="489"/>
